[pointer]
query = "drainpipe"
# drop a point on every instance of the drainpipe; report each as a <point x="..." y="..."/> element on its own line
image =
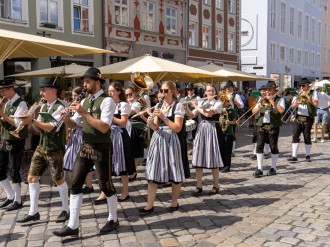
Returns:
<point x="103" y="31"/>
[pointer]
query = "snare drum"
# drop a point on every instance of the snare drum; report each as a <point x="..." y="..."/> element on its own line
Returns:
<point x="191" y="125"/>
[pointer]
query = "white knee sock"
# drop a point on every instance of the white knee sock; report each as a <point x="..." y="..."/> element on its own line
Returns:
<point x="260" y="158"/>
<point x="266" y="148"/>
<point x="63" y="190"/>
<point x="274" y="160"/>
<point x="17" y="189"/>
<point x="112" y="205"/>
<point x="308" y="149"/>
<point x="7" y="187"/>
<point x="254" y="148"/>
<point x="75" y="205"/>
<point x="234" y="146"/>
<point x="295" y="149"/>
<point x="34" y="189"/>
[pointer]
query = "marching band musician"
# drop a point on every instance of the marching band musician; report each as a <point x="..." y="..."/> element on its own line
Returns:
<point x="11" y="147"/>
<point x="164" y="162"/>
<point x="226" y="142"/>
<point x="304" y="118"/>
<point x="268" y="122"/>
<point x="122" y="159"/>
<point x="49" y="152"/>
<point x="190" y="96"/>
<point x="206" y="150"/>
<point x="96" y="112"/>
<point x="238" y="103"/>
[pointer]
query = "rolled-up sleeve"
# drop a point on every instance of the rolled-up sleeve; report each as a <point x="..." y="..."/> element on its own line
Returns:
<point x="21" y="110"/>
<point x="108" y="108"/>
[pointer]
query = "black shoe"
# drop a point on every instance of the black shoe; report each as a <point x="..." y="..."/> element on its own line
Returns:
<point x="198" y="191"/>
<point x="271" y="172"/>
<point x="28" y="218"/>
<point x="214" y="191"/>
<point x="124" y="199"/>
<point x="132" y="178"/>
<point x="266" y="156"/>
<point x="225" y="169"/>
<point x="173" y="209"/>
<point x="292" y="159"/>
<point x="146" y="211"/>
<point x="14" y="206"/>
<point x="64" y="216"/>
<point x="308" y="158"/>
<point x="258" y="173"/>
<point x="88" y="190"/>
<point x="67" y="231"/>
<point x="6" y="203"/>
<point x="99" y="202"/>
<point x="253" y="157"/>
<point x="109" y="226"/>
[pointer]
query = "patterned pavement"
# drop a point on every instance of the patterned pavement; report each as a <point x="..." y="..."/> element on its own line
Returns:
<point x="289" y="209"/>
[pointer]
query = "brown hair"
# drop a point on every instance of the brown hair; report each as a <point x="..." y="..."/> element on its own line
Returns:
<point x="171" y="85"/>
<point x="211" y="85"/>
<point x="117" y="85"/>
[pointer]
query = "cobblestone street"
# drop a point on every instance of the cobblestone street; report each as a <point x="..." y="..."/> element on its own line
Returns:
<point x="289" y="209"/>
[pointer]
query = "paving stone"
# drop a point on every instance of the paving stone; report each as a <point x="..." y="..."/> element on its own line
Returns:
<point x="290" y="240"/>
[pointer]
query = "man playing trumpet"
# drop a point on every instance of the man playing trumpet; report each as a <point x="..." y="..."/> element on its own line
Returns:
<point x="11" y="147"/>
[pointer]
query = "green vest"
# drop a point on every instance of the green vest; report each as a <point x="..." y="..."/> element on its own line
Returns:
<point x="231" y="115"/>
<point x="275" y="117"/>
<point x="58" y="140"/>
<point x="90" y="134"/>
<point x="6" y="127"/>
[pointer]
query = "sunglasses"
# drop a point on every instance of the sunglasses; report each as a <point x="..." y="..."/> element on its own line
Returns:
<point x="163" y="90"/>
<point x="129" y="95"/>
<point x="302" y="86"/>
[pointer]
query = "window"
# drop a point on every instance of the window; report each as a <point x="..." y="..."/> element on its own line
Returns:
<point x="83" y="15"/>
<point x="218" y="39"/>
<point x="206" y="36"/>
<point x="291" y="21"/>
<point x="282" y="53"/>
<point x="148" y="18"/>
<point x="291" y="55"/>
<point x="325" y="55"/>
<point x="283" y="16"/>
<point x="325" y="29"/>
<point x="231" y="6"/>
<point x="299" y="53"/>
<point x="171" y="20"/>
<point x="15" y="10"/>
<point x="300" y="25"/>
<point x="218" y="4"/>
<point x="318" y="61"/>
<point x="193" y="33"/>
<point x="313" y="30"/>
<point x="272" y="51"/>
<point x="50" y="13"/>
<point x="306" y="58"/>
<point x="312" y="60"/>
<point x="273" y="14"/>
<point x="319" y="26"/>
<point x="231" y="42"/>
<point x="307" y="27"/>
<point x="121" y="12"/>
<point x="328" y="56"/>
<point x="206" y="1"/>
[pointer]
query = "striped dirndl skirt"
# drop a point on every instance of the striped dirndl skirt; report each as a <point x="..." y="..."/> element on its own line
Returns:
<point x="164" y="161"/>
<point x="206" y="150"/>
<point x="71" y="148"/>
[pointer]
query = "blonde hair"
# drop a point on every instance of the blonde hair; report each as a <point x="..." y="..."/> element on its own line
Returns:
<point x="171" y="85"/>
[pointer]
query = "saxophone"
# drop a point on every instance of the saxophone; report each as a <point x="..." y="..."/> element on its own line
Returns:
<point x="30" y="112"/>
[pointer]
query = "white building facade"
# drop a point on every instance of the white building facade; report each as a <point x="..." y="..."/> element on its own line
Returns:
<point x="282" y="39"/>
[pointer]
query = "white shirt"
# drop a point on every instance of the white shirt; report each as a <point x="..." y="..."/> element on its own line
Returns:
<point x="135" y="106"/>
<point x="125" y="109"/>
<point x="56" y="114"/>
<point x="179" y="110"/>
<point x="266" y="118"/>
<point x="238" y="99"/>
<point x="108" y="107"/>
<point x="323" y="100"/>
<point x="20" y="110"/>
<point x="215" y="105"/>
<point x="302" y="109"/>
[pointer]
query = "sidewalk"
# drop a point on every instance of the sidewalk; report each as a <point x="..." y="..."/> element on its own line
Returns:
<point x="289" y="209"/>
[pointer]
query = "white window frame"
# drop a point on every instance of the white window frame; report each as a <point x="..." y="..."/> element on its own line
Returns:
<point x="300" y="25"/>
<point x="291" y="26"/>
<point x="208" y="2"/>
<point x="219" y="39"/>
<point x="306" y="31"/>
<point x="312" y="60"/>
<point x="193" y="38"/>
<point x="325" y="55"/>
<point x="272" y="51"/>
<point x="231" y="6"/>
<point x="219" y="4"/>
<point x="299" y="56"/>
<point x="148" y="16"/>
<point x="325" y="30"/>
<point x="8" y="17"/>
<point x="318" y="61"/>
<point x="313" y="30"/>
<point x="172" y="19"/>
<point x="306" y="58"/>
<point x="273" y="14"/>
<point x="291" y="55"/>
<point x="231" y="42"/>
<point x="60" y="21"/>
<point x="206" y="41"/>
<point x="283" y="17"/>
<point x="319" y="31"/>
<point x="282" y="53"/>
<point x="121" y="16"/>
<point x="90" y="7"/>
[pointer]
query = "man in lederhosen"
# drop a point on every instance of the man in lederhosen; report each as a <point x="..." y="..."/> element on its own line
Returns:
<point x="11" y="147"/>
<point x="305" y="105"/>
<point x="96" y="113"/>
<point x="268" y="121"/>
<point x="49" y="152"/>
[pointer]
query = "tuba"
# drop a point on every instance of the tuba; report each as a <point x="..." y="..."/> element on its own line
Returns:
<point x="223" y="120"/>
<point x="143" y="82"/>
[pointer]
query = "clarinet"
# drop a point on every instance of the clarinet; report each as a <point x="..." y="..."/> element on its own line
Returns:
<point x="59" y="124"/>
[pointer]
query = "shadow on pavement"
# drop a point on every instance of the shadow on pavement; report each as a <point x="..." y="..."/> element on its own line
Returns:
<point x="11" y="236"/>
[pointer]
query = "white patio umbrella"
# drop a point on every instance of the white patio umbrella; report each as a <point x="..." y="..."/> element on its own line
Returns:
<point x="16" y="44"/>
<point x="321" y="83"/>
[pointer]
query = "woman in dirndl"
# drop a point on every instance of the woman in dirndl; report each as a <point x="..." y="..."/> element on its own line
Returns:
<point x="164" y="161"/>
<point x="122" y="158"/>
<point x="206" y="148"/>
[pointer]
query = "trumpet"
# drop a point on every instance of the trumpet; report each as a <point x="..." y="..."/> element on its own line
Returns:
<point x="265" y="102"/>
